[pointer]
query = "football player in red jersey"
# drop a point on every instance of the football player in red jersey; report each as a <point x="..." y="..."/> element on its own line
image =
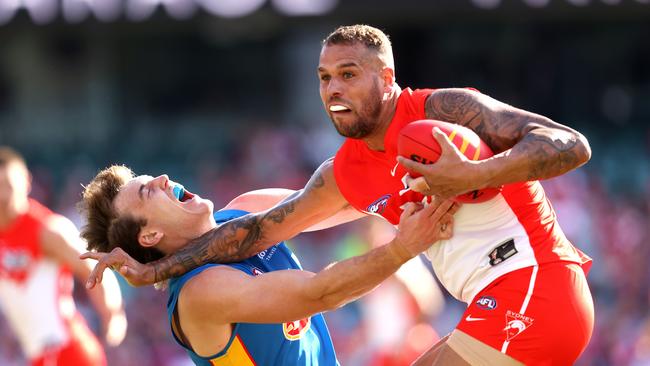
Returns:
<point x="39" y="253"/>
<point x="508" y="260"/>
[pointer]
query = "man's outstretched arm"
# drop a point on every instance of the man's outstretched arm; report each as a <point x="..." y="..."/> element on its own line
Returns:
<point x="527" y="146"/>
<point x="223" y="295"/>
<point x="60" y="242"/>
<point x="236" y="295"/>
<point x="237" y="239"/>
<point x="263" y="199"/>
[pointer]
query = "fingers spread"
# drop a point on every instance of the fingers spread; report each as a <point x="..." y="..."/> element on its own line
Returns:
<point x="409" y="209"/>
<point x="455" y="207"/>
<point x="446" y="226"/>
<point x="96" y="275"/>
<point x="114" y="259"/>
<point x="92" y="255"/>
<point x="442" y="139"/>
<point x="411" y="165"/>
<point x="442" y="209"/>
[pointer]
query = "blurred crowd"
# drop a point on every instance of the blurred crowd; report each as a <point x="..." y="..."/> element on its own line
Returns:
<point x="409" y="312"/>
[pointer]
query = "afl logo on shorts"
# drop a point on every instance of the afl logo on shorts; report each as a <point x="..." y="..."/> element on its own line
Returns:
<point x="294" y="330"/>
<point x="379" y="205"/>
<point x="486" y="303"/>
<point x="256" y="271"/>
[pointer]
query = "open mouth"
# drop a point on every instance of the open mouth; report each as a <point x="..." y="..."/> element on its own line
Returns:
<point x="181" y="194"/>
<point x="337" y="108"/>
<point x="186" y="196"/>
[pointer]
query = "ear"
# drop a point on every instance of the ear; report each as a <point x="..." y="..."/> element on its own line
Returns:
<point x="149" y="237"/>
<point x="388" y="76"/>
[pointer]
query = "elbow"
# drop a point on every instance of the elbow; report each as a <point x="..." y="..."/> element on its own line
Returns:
<point x="335" y="300"/>
<point x="331" y="303"/>
<point x="583" y="150"/>
<point x="323" y="301"/>
<point x="324" y="297"/>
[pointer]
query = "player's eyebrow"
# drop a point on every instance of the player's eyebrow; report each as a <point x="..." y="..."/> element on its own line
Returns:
<point x="341" y="66"/>
<point x="140" y="195"/>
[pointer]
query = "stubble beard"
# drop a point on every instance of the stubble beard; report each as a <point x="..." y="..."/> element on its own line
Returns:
<point x="367" y="119"/>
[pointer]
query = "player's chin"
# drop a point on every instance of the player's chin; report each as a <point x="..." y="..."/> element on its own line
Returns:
<point x="343" y="117"/>
<point x="209" y="205"/>
<point x="205" y="206"/>
<point x="200" y="207"/>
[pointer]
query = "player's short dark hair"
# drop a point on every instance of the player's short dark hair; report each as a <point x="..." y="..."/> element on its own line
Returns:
<point x="9" y="155"/>
<point x="105" y="229"/>
<point x="369" y="36"/>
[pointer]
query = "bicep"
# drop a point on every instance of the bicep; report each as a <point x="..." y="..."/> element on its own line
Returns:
<point x="345" y="215"/>
<point x="498" y="124"/>
<point x="261" y="199"/>
<point x="223" y="295"/>
<point x="319" y="200"/>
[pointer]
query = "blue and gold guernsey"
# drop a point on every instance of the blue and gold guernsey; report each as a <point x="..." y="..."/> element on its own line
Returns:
<point x="304" y="342"/>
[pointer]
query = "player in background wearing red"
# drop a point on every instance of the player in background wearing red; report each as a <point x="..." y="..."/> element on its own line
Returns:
<point x="39" y="255"/>
<point x="523" y="281"/>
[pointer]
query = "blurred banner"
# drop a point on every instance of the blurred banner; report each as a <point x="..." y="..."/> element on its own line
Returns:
<point x="75" y="11"/>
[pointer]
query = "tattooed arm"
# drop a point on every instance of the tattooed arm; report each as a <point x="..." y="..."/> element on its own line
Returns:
<point x="237" y="239"/>
<point x="263" y="199"/>
<point x="527" y="146"/>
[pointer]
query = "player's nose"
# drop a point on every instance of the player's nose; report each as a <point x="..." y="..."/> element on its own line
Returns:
<point x="161" y="181"/>
<point x="334" y="88"/>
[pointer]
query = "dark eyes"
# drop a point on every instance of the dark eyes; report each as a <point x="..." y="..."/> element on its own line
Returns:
<point x="347" y="75"/>
<point x="325" y="77"/>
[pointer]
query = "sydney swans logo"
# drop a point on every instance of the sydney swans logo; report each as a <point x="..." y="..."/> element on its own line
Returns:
<point x="379" y="205"/>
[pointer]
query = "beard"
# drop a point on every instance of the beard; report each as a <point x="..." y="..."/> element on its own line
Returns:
<point x="366" y="121"/>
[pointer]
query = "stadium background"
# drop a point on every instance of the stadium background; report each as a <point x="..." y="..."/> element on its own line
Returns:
<point x="224" y="98"/>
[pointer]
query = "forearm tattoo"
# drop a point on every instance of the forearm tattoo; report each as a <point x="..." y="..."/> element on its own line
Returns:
<point x="233" y="241"/>
<point x="463" y="108"/>
<point x="551" y="154"/>
<point x="551" y="149"/>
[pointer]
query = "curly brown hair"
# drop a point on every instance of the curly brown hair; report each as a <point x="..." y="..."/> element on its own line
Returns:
<point x="105" y="229"/>
<point x="373" y="38"/>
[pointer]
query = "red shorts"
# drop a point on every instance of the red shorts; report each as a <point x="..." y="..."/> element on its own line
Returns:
<point x="83" y="349"/>
<point x="541" y="315"/>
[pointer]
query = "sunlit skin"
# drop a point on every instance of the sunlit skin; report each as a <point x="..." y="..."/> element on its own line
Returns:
<point x="14" y="188"/>
<point x="358" y="92"/>
<point x="170" y="222"/>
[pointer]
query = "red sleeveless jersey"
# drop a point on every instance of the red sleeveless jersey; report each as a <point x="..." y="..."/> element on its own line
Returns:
<point x="519" y="220"/>
<point x="35" y="291"/>
<point x="371" y="180"/>
<point x="19" y="243"/>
